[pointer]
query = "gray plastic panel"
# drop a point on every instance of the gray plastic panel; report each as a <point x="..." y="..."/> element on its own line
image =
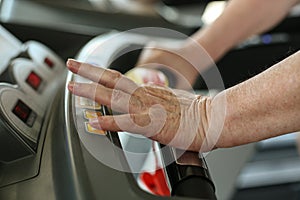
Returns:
<point x="9" y="97"/>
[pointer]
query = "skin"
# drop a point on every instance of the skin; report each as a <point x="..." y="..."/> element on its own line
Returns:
<point x="154" y="111"/>
<point x="264" y="106"/>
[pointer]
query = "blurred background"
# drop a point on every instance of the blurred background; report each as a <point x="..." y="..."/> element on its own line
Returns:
<point x="267" y="170"/>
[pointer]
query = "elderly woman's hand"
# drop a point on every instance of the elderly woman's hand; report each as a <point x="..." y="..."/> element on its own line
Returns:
<point x="171" y="117"/>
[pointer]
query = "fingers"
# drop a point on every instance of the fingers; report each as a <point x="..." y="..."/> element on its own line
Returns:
<point x="133" y="123"/>
<point x="120" y="122"/>
<point x="115" y="99"/>
<point x="92" y="91"/>
<point x="106" y="77"/>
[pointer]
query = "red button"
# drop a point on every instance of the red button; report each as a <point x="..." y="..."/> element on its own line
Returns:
<point x="34" y="80"/>
<point x="22" y="111"/>
<point x="49" y="62"/>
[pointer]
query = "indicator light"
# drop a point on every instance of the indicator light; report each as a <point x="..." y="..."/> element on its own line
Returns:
<point x="266" y="39"/>
<point x="49" y="62"/>
<point x="34" y="80"/>
<point x="22" y="111"/>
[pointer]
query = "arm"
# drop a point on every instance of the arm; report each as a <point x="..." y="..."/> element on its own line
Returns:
<point x="264" y="106"/>
<point x="240" y="20"/>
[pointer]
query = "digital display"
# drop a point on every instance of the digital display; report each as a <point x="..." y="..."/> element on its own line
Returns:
<point x="49" y="62"/>
<point x="34" y="80"/>
<point x="22" y="111"/>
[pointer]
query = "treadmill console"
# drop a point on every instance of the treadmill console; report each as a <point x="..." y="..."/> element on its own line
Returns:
<point x="28" y="83"/>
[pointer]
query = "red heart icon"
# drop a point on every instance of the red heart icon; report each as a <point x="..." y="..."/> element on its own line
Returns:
<point x="156" y="182"/>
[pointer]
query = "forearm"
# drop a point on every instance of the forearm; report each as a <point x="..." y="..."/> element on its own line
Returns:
<point x="264" y="106"/>
<point x="240" y="20"/>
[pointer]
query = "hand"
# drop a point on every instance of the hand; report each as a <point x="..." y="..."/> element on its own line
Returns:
<point x="171" y="117"/>
<point x="179" y="63"/>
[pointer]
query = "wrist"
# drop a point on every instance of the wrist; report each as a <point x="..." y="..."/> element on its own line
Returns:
<point x="212" y="42"/>
<point x="197" y="54"/>
<point x="204" y="141"/>
<point x="215" y="125"/>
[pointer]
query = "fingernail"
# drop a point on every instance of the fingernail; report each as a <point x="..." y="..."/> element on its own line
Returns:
<point x="73" y="65"/>
<point x="94" y="122"/>
<point x="71" y="86"/>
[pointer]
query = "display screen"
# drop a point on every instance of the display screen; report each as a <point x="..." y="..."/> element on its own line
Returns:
<point x="34" y="80"/>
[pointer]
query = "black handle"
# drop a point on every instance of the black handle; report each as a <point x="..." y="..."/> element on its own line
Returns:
<point x="196" y="187"/>
<point x="188" y="174"/>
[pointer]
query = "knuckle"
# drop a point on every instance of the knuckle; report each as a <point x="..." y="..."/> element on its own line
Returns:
<point x="85" y="89"/>
<point x="115" y="75"/>
<point x="92" y="89"/>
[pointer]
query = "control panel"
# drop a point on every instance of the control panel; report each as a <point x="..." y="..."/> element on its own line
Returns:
<point x="21" y="121"/>
<point x="88" y="109"/>
<point x="29" y="80"/>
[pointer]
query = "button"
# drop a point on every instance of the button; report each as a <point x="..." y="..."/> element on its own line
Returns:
<point x="49" y="62"/>
<point x="92" y="130"/>
<point x="90" y="114"/>
<point x="24" y="113"/>
<point x="83" y="102"/>
<point x="34" y="80"/>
